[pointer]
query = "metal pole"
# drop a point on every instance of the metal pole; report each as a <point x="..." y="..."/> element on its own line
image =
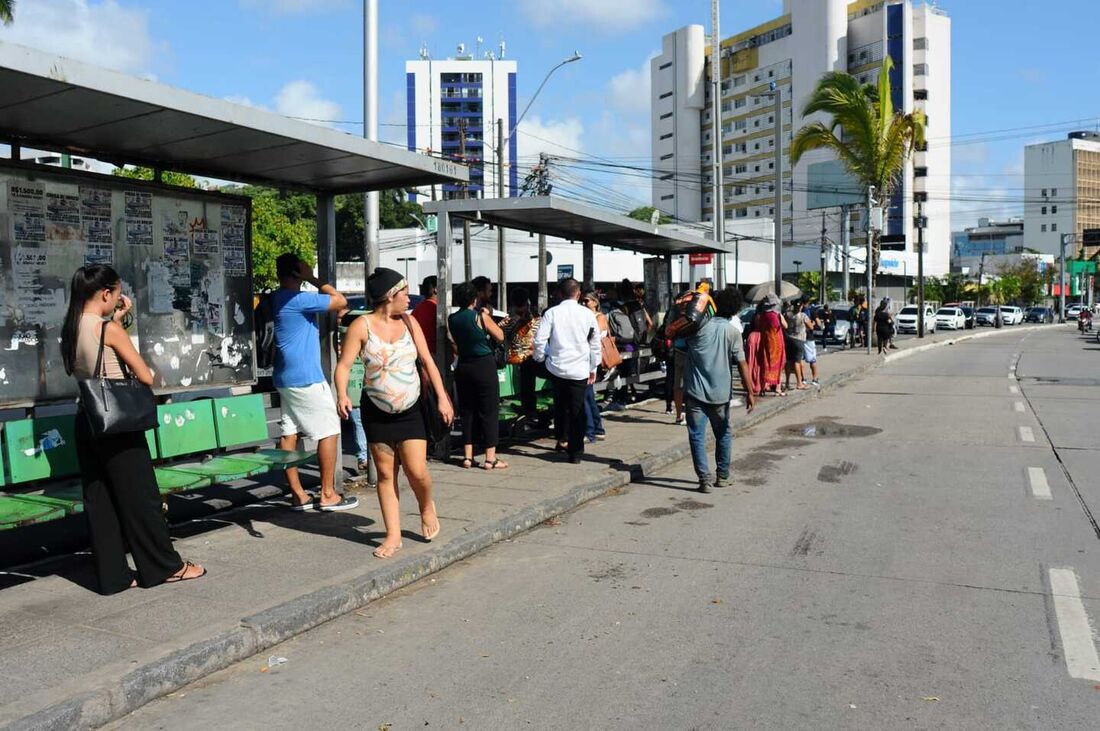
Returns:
<point x="778" y="253"/>
<point x="587" y="265"/>
<point x="920" y="270"/>
<point x="370" y="131"/>
<point x="870" y="270"/>
<point x="444" y="242"/>
<point x="824" y="273"/>
<point x="1062" y="281"/>
<point x="845" y="244"/>
<point x="719" y="207"/>
<point x="544" y="299"/>
<point x="502" y="266"/>
<point x="326" y="272"/>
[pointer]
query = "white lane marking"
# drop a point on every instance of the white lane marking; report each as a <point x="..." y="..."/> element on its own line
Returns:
<point x="1026" y="435"/>
<point x="1073" y="625"/>
<point x="1013" y="389"/>
<point x="1040" y="488"/>
<point x="1019" y="406"/>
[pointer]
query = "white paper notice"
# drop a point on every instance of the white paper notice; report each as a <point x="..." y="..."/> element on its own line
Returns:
<point x="160" y="288"/>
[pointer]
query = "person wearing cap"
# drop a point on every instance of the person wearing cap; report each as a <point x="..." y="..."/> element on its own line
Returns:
<point x="390" y="343"/>
<point x="304" y="394"/>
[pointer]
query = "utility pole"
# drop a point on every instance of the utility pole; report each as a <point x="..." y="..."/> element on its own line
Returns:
<point x="467" y="248"/>
<point x="1062" y="279"/>
<point x="845" y="245"/>
<point x="544" y="298"/>
<point x="370" y="131"/>
<point x="778" y="263"/>
<point x="921" y="223"/>
<point x="502" y="267"/>
<point x="719" y="207"/>
<point x="869" y="266"/>
<point x="824" y="248"/>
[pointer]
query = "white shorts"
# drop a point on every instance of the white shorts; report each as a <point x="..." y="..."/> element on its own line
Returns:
<point x="309" y="411"/>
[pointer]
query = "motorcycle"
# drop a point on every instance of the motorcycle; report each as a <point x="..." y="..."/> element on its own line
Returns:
<point x="1084" y="324"/>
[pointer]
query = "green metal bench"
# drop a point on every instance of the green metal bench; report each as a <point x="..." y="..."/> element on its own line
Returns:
<point x="44" y="448"/>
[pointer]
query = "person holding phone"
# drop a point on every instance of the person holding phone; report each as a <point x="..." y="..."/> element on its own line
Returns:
<point x="121" y="500"/>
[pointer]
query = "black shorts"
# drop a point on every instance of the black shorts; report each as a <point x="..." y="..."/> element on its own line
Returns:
<point x="386" y="428"/>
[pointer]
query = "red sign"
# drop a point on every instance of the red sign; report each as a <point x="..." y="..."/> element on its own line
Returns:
<point x="700" y="259"/>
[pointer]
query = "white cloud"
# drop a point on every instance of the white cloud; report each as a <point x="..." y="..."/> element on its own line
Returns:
<point x="609" y="16"/>
<point x="296" y="6"/>
<point x="101" y="33"/>
<point x="630" y="90"/>
<point x="423" y="23"/>
<point x="553" y="137"/>
<point x="303" y="99"/>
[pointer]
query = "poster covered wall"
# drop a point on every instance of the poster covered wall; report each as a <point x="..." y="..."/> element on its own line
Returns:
<point x="183" y="256"/>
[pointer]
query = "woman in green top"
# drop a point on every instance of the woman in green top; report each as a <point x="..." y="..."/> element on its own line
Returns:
<point x="470" y="329"/>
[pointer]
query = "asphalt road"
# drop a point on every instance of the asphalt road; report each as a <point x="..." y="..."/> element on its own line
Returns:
<point x="889" y="557"/>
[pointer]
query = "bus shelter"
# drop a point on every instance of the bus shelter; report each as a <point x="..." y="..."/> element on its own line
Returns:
<point x="567" y="219"/>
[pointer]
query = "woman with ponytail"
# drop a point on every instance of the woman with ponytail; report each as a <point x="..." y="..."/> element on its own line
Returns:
<point x="120" y="489"/>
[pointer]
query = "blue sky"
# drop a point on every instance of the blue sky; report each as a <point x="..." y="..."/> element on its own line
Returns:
<point x="1017" y="64"/>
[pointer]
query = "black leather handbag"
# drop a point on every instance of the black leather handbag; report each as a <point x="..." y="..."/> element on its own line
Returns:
<point x="116" y="406"/>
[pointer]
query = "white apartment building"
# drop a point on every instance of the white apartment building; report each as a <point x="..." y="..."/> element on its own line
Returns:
<point x="462" y="97"/>
<point x="793" y="51"/>
<point x="1062" y="194"/>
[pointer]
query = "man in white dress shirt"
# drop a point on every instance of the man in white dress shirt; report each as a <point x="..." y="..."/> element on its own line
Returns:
<point x="568" y="342"/>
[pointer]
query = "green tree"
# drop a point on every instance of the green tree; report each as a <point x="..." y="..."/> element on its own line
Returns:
<point x="180" y="180"/>
<point x="394" y="211"/>
<point x="274" y="233"/>
<point x="953" y="287"/>
<point x="810" y="284"/>
<point x="870" y="138"/>
<point x="933" y="291"/>
<point x="645" y="213"/>
<point x="1021" y="283"/>
<point x="7" y="11"/>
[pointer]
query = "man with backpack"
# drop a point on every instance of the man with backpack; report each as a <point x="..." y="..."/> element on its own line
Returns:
<point x="631" y="325"/>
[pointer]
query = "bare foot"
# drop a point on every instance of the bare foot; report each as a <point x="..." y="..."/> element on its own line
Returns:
<point x="429" y="522"/>
<point x="387" y="550"/>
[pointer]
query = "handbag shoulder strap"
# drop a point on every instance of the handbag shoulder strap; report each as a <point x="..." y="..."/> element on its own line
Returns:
<point x="408" y="326"/>
<point x="99" y="371"/>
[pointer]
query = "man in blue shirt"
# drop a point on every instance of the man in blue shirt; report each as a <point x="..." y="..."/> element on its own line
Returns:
<point x="708" y="385"/>
<point x="307" y="403"/>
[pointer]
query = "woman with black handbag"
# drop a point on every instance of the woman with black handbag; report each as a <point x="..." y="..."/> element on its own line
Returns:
<point x="476" y="336"/>
<point x="401" y="389"/>
<point x="121" y="499"/>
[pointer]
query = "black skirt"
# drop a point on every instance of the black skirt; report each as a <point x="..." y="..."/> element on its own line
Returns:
<point x="386" y="428"/>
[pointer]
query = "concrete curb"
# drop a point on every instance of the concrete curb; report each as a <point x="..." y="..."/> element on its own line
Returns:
<point x="265" y="629"/>
<point x="961" y="339"/>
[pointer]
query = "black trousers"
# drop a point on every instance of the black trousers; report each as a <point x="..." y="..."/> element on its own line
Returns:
<point x="569" y="398"/>
<point x="479" y="399"/>
<point x="123" y="508"/>
<point x="528" y="370"/>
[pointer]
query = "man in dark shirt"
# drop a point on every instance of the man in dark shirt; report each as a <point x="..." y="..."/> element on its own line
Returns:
<point x="425" y="312"/>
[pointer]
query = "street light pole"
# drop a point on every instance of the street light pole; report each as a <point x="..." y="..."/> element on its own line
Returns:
<point x="370" y="131"/>
<point x="921" y="223"/>
<point x="719" y="208"/>
<point x="1062" y="279"/>
<point x="868" y="265"/>
<point x="778" y="262"/>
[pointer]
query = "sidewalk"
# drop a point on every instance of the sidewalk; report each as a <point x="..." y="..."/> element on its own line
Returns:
<point x="72" y="658"/>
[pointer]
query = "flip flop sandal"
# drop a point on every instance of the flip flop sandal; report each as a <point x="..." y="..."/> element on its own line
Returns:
<point x="346" y="503"/>
<point x="386" y="551"/>
<point x="179" y="575"/>
<point x="467" y="464"/>
<point x="493" y="465"/>
<point x="311" y="504"/>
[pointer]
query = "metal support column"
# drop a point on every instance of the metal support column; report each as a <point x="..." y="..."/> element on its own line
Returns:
<point x="371" y="259"/>
<point x="502" y="260"/>
<point x="778" y="262"/>
<point x="845" y="247"/>
<point x="1062" y="279"/>
<point x="326" y="272"/>
<point x="544" y="298"/>
<point x="587" y="265"/>
<point x="920" y="269"/>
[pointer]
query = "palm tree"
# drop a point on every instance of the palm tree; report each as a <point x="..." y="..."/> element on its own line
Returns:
<point x="7" y="11"/>
<point x="867" y="135"/>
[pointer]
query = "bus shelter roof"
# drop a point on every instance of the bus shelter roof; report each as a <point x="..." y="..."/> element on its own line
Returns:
<point x="58" y="104"/>
<point x="576" y="221"/>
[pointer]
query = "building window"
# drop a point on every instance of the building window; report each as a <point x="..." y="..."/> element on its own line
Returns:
<point x="669" y="156"/>
<point x="740" y="124"/>
<point x="741" y="168"/>
<point x="920" y="69"/>
<point x="727" y="149"/>
<point x="771" y="211"/>
<point x="1044" y="192"/>
<point x="1043" y="228"/>
<point x="920" y="95"/>
<point x="1044" y="210"/>
<point x="1053" y="227"/>
<point x="668" y="197"/>
<point x="738" y="103"/>
<point x="756" y="123"/>
<point x="920" y="44"/>
<point x="738" y="81"/>
<point x="742" y="212"/>
<point x="739" y="190"/>
<point x="1053" y="193"/>
<point x="667" y="136"/>
<point x="667" y="115"/>
<point x="756" y="168"/>
<point x="666" y="95"/>
<point x="771" y="74"/>
<point x="1054" y="209"/>
<point x="920" y="172"/>
<point x="670" y="176"/>
<point x="664" y="66"/>
<point x="756" y="146"/>
<point x="771" y="166"/>
<point x="921" y="197"/>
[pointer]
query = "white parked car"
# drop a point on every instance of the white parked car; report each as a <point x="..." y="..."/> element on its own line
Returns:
<point x="1074" y="311"/>
<point x="906" y="320"/>
<point x="1011" y="315"/>
<point x="951" y="318"/>
<point x="987" y="315"/>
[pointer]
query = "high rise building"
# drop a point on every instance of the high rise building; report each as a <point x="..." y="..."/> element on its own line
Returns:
<point x="1062" y="194"/>
<point x="455" y="103"/>
<point x="793" y="51"/>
